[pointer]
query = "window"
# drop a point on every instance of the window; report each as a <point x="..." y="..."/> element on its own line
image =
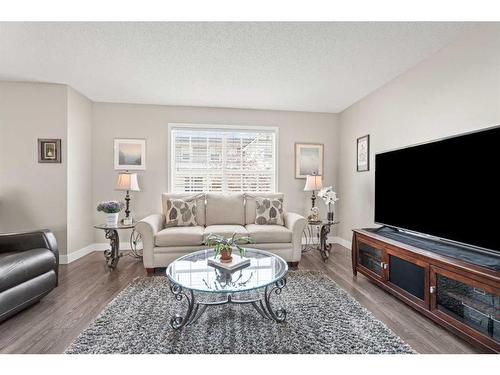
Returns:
<point x="222" y="159"/>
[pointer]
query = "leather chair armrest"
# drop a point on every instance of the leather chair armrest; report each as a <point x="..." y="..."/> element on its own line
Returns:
<point x="147" y="228"/>
<point x="296" y="223"/>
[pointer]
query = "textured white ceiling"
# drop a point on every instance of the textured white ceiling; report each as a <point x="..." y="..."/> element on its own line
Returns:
<point x="321" y="67"/>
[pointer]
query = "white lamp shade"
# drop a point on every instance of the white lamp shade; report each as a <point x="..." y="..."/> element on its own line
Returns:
<point x="127" y="181"/>
<point x="313" y="183"/>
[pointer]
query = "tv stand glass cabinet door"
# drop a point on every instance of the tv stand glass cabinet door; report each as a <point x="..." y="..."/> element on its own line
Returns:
<point x="371" y="258"/>
<point x="408" y="276"/>
<point x="471" y="305"/>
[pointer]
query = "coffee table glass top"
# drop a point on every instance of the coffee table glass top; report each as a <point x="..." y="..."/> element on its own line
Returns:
<point x="192" y="272"/>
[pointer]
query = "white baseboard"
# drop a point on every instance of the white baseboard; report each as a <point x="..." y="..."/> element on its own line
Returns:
<point x="342" y="242"/>
<point x="333" y="239"/>
<point x="101" y="246"/>
<point x="75" y="255"/>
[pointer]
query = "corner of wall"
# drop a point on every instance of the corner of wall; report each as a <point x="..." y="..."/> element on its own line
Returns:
<point x="79" y="175"/>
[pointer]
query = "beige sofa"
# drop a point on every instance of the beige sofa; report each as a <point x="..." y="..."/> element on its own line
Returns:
<point x="223" y="214"/>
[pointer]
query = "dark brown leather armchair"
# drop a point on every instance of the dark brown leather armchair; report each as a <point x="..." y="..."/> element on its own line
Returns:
<point x="28" y="269"/>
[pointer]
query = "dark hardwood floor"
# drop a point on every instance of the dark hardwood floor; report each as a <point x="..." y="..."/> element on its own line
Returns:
<point x="86" y="287"/>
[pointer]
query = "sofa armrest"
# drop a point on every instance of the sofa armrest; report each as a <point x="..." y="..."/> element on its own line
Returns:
<point x="41" y="239"/>
<point x="296" y="223"/>
<point x="147" y="228"/>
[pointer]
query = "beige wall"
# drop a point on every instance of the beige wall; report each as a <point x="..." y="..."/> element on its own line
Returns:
<point x="35" y="195"/>
<point x="151" y="122"/>
<point x="32" y="195"/>
<point x="79" y="176"/>
<point x="454" y="91"/>
<point x="62" y="197"/>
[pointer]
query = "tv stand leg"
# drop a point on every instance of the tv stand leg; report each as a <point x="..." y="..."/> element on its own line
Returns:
<point x="354" y="257"/>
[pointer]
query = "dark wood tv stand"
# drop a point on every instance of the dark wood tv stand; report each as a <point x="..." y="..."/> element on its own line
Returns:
<point x="455" y="286"/>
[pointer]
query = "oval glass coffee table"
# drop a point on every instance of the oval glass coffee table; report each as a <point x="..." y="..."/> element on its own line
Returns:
<point x="191" y="275"/>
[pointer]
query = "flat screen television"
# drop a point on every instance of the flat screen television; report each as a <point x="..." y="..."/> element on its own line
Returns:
<point x="448" y="189"/>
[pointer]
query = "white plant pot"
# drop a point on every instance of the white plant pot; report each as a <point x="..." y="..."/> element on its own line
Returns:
<point x="112" y="219"/>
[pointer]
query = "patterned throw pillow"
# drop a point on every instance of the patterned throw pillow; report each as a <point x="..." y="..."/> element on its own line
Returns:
<point x="181" y="213"/>
<point x="268" y="211"/>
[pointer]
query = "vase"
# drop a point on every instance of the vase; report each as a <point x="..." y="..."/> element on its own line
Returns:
<point x="330" y="216"/>
<point x="225" y="255"/>
<point x="112" y="219"/>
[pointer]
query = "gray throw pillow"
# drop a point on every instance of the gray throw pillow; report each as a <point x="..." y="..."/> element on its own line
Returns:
<point x="181" y="213"/>
<point x="268" y="211"/>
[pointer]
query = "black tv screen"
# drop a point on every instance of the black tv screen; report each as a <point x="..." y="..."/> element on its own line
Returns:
<point x="448" y="189"/>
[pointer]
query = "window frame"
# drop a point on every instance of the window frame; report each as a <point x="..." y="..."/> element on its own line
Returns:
<point x="225" y="127"/>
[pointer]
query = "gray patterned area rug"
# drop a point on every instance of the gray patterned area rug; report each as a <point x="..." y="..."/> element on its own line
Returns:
<point x="322" y="318"/>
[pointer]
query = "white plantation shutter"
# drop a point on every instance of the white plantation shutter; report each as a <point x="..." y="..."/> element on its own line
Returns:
<point x="222" y="160"/>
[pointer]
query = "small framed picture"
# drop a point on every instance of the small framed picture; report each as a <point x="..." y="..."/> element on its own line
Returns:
<point x="49" y="150"/>
<point x="308" y="159"/>
<point x="130" y="154"/>
<point x="363" y="153"/>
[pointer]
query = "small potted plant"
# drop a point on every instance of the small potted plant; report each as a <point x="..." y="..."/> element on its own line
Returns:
<point x="112" y="210"/>
<point x="224" y="246"/>
<point x="329" y="197"/>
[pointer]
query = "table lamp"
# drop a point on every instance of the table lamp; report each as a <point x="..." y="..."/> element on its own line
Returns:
<point x="313" y="183"/>
<point x="127" y="182"/>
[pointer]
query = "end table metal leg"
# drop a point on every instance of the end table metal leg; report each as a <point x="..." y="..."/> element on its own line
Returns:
<point x="135" y="239"/>
<point x="325" y="247"/>
<point x="113" y="255"/>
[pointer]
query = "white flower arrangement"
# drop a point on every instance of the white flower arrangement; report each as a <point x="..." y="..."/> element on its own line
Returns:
<point x="328" y="196"/>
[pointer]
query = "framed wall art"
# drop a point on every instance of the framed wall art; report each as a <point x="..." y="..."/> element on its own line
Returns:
<point x="130" y="154"/>
<point x="49" y="150"/>
<point x="363" y="153"/>
<point x="308" y="159"/>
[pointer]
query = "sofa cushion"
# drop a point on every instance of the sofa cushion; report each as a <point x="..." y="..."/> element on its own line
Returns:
<point x="269" y="233"/>
<point x="180" y="236"/>
<point x="250" y="205"/>
<point x="225" y="209"/>
<point x="199" y="199"/>
<point x="225" y="230"/>
<point x="269" y="211"/>
<point x="181" y="213"/>
<point x="21" y="266"/>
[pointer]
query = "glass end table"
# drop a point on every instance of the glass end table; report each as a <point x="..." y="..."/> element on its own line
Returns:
<point x="190" y="277"/>
<point x="316" y="236"/>
<point x="112" y="255"/>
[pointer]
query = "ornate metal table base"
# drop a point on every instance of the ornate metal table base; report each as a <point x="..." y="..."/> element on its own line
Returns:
<point x="112" y="255"/>
<point x="322" y="245"/>
<point x="196" y="308"/>
<point x="135" y="240"/>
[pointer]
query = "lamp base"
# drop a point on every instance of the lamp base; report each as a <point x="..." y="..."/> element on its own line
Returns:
<point x="127" y="221"/>
<point x="313" y="200"/>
